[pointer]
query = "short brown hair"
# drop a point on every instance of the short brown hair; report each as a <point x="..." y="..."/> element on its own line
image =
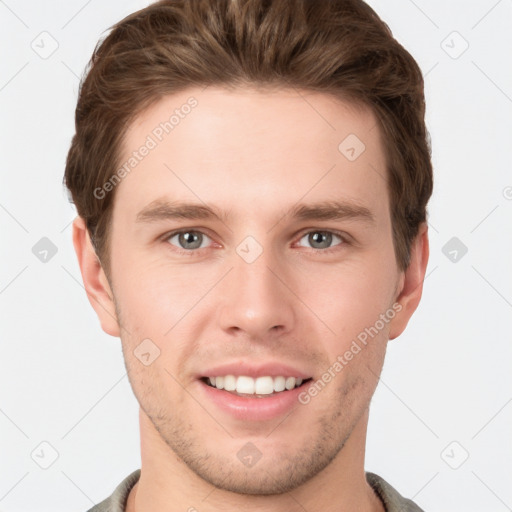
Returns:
<point x="338" y="47"/>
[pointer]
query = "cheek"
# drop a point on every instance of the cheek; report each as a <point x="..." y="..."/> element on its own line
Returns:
<point x="163" y="304"/>
<point x="155" y="385"/>
<point x="154" y="297"/>
<point x="350" y="298"/>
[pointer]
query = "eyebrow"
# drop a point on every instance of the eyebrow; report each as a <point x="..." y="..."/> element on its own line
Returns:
<point x="161" y="209"/>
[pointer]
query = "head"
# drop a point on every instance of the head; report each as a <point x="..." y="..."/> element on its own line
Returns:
<point x="260" y="111"/>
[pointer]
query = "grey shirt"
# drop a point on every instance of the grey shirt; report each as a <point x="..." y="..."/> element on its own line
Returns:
<point x="392" y="501"/>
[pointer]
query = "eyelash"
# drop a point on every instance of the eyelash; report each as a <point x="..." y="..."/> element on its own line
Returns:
<point x="193" y="252"/>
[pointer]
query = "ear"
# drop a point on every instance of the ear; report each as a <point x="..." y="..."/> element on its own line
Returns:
<point x="95" y="281"/>
<point x="411" y="280"/>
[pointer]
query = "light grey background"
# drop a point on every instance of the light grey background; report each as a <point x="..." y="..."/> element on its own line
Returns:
<point x="445" y="391"/>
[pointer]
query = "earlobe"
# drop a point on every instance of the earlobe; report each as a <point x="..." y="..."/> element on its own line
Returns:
<point x="412" y="283"/>
<point x="95" y="281"/>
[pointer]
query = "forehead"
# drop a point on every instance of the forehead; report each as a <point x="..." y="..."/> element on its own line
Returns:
<point x="245" y="147"/>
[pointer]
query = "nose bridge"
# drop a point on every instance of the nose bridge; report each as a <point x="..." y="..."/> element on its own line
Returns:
<point x="255" y="300"/>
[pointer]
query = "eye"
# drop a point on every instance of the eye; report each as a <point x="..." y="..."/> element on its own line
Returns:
<point x="188" y="240"/>
<point x="322" y="239"/>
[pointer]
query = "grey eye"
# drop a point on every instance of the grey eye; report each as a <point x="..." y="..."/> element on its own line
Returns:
<point x="320" y="239"/>
<point x="188" y="239"/>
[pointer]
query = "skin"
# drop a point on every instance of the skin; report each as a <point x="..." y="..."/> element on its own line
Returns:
<point x="255" y="154"/>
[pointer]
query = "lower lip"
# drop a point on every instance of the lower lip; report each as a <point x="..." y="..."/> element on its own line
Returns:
<point x="254" y="408"/>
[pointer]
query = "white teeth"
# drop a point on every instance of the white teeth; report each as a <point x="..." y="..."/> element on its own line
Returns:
<point x="230" y="383"/>
<point x="259" y="386"/>
<point x="245" y="385"/>
<point x="290" y="382"/>
<point x="279" y="384"/>
<point x="264" y="385"/>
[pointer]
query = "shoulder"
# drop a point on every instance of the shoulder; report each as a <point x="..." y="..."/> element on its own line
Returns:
<point x="116" y="502"/>
<point x="390" y="497"/>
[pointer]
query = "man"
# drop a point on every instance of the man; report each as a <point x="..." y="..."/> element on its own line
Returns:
<point x="251" y="180"/>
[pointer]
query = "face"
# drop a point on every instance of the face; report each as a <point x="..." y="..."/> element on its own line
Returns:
<point x="251" y="241"/>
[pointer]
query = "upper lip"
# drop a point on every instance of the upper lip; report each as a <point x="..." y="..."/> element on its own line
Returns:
<point x="272" y="369"/>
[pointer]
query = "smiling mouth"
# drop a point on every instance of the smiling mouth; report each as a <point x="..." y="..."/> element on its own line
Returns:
<point x="259" y="387"/>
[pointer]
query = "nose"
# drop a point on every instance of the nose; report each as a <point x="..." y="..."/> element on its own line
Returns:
<point x="256" y="301"/>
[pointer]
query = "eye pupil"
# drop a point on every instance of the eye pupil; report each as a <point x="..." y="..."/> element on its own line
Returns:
<point x="190" y="238"/>
<point x="319" y="237"/>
